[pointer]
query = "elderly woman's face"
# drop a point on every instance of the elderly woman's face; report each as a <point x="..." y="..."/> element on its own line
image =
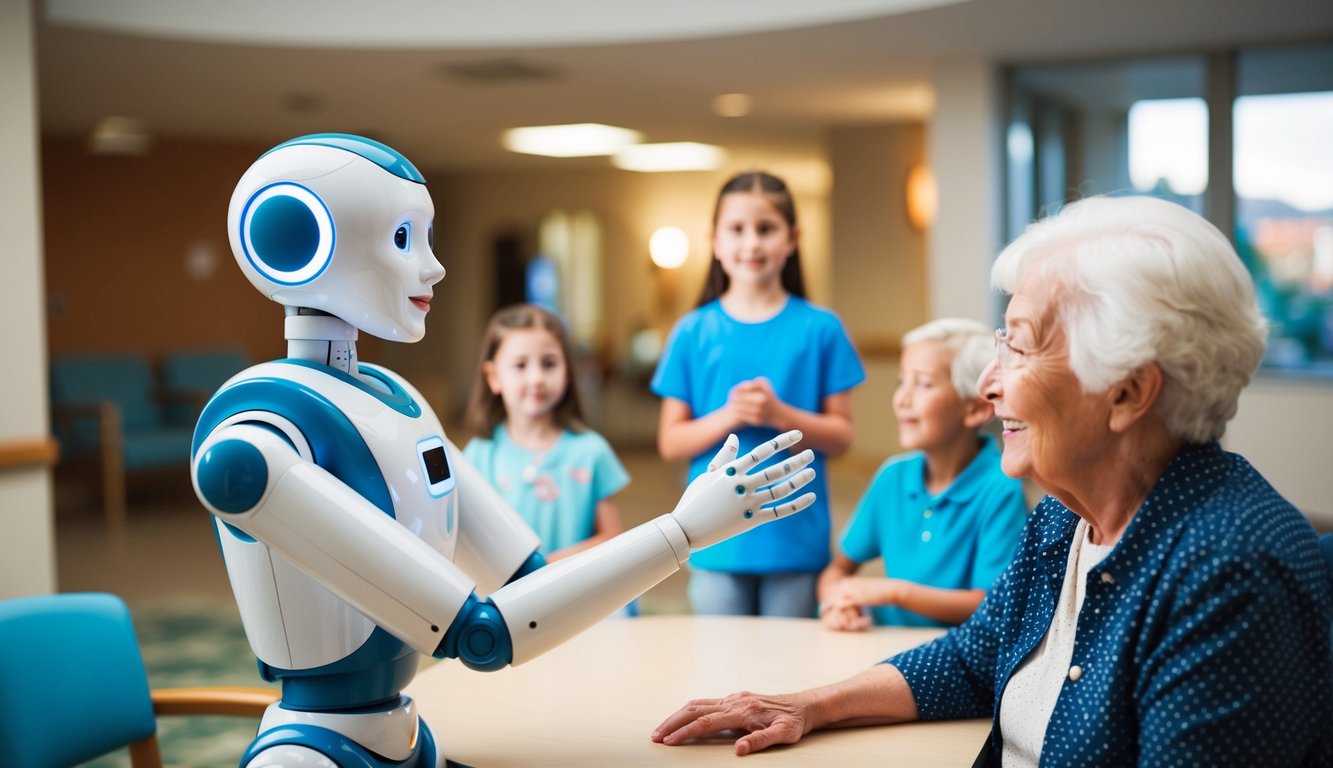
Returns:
<point x="1051" y="426"/>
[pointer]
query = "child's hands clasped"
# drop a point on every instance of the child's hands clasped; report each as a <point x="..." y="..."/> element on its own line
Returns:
<point x="754" y="403"/>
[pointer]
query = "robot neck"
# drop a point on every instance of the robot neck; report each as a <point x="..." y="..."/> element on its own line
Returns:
<point x="319" y="337"/>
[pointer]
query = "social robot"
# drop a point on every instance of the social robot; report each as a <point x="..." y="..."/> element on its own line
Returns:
<point x="355" y="535"/>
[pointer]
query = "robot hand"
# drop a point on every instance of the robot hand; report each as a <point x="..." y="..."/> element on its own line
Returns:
<point x="728" y="498"/>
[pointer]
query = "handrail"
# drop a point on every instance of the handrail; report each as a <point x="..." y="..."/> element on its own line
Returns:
<point x="28" y="452"/>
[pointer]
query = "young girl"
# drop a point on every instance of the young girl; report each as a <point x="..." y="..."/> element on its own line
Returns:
<point x="756" y="358"/>
<point x="529" y="439"/>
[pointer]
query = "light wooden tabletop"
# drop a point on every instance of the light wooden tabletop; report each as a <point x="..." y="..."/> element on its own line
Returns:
<point x="594" y="700"/>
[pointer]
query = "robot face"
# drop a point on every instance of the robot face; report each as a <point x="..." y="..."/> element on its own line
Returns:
<point x="340" y="224"/>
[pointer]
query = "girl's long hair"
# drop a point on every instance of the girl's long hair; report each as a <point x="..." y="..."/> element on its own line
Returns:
<point x="485" y="409"/>
<point x="775" y="189"/>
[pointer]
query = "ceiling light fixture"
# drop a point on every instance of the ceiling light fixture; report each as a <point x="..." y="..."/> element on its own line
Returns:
<point x="575" y="140"/>
<point x="673" y="156"/>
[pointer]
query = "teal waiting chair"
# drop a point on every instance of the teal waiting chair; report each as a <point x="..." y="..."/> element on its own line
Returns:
<point x="73" y="687"/>
<point x="108" y="409"/>
<point x="190" y="376"/>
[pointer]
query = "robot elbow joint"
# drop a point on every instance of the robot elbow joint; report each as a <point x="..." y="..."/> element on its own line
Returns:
<point x="478" y="637"/>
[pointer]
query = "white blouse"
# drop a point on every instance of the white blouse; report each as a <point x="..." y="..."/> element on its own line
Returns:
<point x="1029" y="699"/>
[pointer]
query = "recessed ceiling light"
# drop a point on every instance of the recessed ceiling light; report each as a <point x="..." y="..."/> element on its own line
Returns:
<point x="732" y="104"/>
<point x="674" y="156"/>
<point x="576" y="140"/>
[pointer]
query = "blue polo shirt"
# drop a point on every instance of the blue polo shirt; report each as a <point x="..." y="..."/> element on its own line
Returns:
<point x="961" y="538"/>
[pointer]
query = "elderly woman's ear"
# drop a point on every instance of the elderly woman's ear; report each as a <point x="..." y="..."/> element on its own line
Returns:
<point x="1134" y="396"/>
<point x="977" y="411"/>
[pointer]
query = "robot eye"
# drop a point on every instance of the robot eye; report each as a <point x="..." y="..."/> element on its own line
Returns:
<point x="402" y="238"/>
<point x="430" y="236"/>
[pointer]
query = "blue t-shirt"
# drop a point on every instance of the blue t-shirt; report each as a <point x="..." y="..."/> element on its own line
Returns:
<point x="556" y="491"/>
<point x="806" y="354"/>
<point x="960" y="538"/>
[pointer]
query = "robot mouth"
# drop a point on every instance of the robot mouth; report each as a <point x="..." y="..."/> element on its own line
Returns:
<point x="420" y="302"/>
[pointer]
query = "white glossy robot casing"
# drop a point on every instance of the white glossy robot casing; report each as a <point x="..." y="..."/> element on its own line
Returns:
<point x="314" y="225"/>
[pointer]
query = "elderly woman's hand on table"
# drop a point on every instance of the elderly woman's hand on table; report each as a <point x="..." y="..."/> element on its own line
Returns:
<point x="876" y="696"/>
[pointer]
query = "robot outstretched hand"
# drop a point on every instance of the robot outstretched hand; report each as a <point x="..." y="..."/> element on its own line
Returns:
<point x="734" y="496"/>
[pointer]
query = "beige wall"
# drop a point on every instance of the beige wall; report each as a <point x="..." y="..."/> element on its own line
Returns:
<point x="879" y="279"/>
<point x="27" y="554"/>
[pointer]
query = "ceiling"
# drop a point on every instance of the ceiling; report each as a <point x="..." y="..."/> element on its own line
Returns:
<point x="441" y="89"/>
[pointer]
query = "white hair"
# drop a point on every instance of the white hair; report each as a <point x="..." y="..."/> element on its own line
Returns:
<point x="971" y="343"/>
<point x="1143" y="280"/>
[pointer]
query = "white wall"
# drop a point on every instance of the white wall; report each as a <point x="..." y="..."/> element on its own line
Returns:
<point x="1284" y="429"/>
<point x="963" y="147"/>
<point x="27" y="549"/>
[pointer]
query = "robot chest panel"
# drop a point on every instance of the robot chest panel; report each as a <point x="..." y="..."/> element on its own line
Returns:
<point x="410" y="456"/>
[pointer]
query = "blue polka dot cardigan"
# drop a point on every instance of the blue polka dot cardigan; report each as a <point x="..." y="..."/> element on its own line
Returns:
<point x="1203" y="638"/>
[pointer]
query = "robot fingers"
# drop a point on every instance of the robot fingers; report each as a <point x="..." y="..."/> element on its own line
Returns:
<point x="793" y="506"/>
<point x="760" y="454"/>
<point x="727" y="454"/>
<point x="788" y="485"/>
<point x="787" y="468"/>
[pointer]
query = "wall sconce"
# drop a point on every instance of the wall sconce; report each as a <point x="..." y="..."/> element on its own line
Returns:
<point x="923" y="197"/>
<point x="669" y="247"/>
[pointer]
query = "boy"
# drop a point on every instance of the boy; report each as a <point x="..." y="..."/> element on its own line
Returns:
<point x="943" y="516"/>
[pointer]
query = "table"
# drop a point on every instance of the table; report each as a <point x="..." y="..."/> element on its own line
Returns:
<point x="595" y="699"/>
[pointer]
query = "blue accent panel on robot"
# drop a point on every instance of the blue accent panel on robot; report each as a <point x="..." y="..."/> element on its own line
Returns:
<point x="232" y="476"/>
<point x="334" y="441"/>
<point x="373" y="674"/>
<point x="534" y="561"/>
<point x="396" y="397"/>
<point x="284" y="233"/>
<point x="382" y="155"/>
<point x="341" y="750"/>
<point x="478" y="637"/>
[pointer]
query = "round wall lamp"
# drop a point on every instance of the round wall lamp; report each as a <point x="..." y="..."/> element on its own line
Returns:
<point x="923" y="197"/>
<point x="669" y="247"/>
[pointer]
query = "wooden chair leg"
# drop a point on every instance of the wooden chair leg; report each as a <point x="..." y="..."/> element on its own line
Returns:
<point x="145" y="754"/>
<point x="113" y="469"/>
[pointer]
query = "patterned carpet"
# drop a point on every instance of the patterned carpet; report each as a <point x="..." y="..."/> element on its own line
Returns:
<point x="192" y="644"/>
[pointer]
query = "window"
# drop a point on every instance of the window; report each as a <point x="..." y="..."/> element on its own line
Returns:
<point x="1144" y="126"/>
<point x="1283" y="160"/>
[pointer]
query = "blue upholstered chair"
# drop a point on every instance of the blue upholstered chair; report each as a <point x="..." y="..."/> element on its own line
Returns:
<point x="107" y="408"/>
<point x="189" y="377"/>
<point x="73" y="687"/>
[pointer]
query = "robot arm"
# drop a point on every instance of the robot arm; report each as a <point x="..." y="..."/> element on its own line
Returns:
<point x="547" y="607"/>
<point x="251" y="478"/>
<point x="495" y="546"/>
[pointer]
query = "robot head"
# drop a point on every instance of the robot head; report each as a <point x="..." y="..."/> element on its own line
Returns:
<point x="342" y="224"/>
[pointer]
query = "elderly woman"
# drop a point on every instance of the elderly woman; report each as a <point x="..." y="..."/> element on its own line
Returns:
<point x="1166" y="605"/>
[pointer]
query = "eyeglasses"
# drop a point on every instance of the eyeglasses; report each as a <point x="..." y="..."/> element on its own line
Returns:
<point x="1002" y="349"/>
